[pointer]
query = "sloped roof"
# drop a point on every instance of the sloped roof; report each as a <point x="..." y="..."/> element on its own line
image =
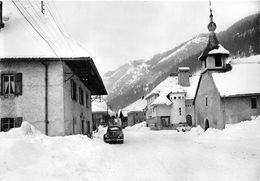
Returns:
<point x="162" y="100"/>
<point x="243" y="79"/>
<point x="219" y="50"/>
<point x="138" y="105"/>
<point x="19" y="37"/>
<point x="170" y="84"/>
<point x="101" y="106"/>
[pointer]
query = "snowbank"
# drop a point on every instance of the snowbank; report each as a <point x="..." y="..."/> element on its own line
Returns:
<point x="26" y="154"/>
<point x="243" y="133"/>
<point x="101" y="131"/>
<point x="138" y="127"/>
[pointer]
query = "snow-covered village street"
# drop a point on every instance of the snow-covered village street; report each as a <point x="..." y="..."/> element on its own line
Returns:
<point x="230" y="154"/>
<point x="176" y="84"/>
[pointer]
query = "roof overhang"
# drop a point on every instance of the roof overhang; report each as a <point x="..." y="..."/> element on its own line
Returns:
<point x="83" y="67"/>
<point x="241" y="95"/>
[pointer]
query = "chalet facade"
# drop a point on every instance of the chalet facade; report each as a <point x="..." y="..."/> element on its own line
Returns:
<point x="101" y="113"/>
<point x="170" y="103"/>
<point x="135" y="112"/>
<point x="48" y="86"/>
<point x="226" y="93"/>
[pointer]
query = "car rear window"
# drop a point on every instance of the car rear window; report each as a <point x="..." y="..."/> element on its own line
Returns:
<point x="114" y="128"/>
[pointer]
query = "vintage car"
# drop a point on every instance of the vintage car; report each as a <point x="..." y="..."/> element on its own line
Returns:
<point x="114" y="134"/>
<point x="183" y="127"/>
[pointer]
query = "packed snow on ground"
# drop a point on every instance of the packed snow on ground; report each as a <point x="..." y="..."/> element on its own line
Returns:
<point x="226" y="155"/>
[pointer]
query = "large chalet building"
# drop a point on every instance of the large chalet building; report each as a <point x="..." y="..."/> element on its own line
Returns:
<point x="170" y="103"/>
<point x="46" y="78"/>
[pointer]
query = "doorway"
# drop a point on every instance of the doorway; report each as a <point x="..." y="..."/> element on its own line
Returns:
<point x="165" y="121"/>
<point x="82" y="127"/>
<point x="189" y="120"/>
<point x="206" y="125"/>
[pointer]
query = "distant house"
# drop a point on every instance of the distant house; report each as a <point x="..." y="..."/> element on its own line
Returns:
<point x="170" y="103"/>
<point x="44" y="82"/>
<point x="101" y="113"/>
<point x="135" y="112"/>
<point x="226" y="93"/>
<point x="122" y="115"/>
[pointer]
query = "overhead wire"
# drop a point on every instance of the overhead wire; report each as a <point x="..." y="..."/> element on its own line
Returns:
<point x="60" y="29"/>
<point x="39" y="23"/>
<point x="58" y="43"/>
<point x="33" y="26"/>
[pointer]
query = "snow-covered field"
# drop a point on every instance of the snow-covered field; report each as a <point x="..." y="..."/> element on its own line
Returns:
<point x="232" y="154"/>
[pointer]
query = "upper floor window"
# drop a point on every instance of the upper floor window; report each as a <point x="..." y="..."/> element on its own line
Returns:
<point x="81" y="96"/>
<point x="253" y="103"/>
<point x="11" y="84"/>
<point x="218" y="62"/>
<point x="180" y="111"/>
<point x="87" y="100"/>
<point x="206" y="101"/>
<point x="73" y="90"/>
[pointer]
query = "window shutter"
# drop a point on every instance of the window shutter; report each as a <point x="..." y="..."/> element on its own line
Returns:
<point x="2" y="125"/>
<point x="2" y="85"/>
<point x="18" y="122"/>
<point x="18" y="84"/>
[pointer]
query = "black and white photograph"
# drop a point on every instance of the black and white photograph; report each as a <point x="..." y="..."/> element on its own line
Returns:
<point x="131" y="90"/>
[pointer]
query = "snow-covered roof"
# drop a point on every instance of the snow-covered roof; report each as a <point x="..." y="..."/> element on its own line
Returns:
<point x="161" y="100"/>
<point x="242" y="79"/>
<point x="138" y="105"/>
<point x="219" y="50"/>
<point x="101" y="106"/>
<point x="184" y="68"/>
<point x="170" y="84"/>
<point x="29" y="33"/>
<point x="246" y="60"/>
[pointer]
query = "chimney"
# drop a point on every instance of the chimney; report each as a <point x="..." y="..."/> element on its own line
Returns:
<point x="1" y="15"/>
<point x="183" y="76"/>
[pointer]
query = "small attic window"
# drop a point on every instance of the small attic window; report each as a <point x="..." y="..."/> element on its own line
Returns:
<point x="218" y="62"/>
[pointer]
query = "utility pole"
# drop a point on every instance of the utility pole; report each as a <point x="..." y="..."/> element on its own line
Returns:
<point x="1" y="15"/>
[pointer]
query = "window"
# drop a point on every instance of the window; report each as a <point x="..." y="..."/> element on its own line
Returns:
<point x="174" y="97"/>
<point x="9" y="123"/>
<point x="218" y="61"/>
<point x="206" y="101"/>
<point x="205" y="63"/>
<point x="81" y="96"/>
<point x="11" y="84"/>
<point x="180" y="111"/>
<point x="73" y="90"/>
<point x="87" y="100"/>
<point x="253" y="103"/>
<point x="179" y="97"/>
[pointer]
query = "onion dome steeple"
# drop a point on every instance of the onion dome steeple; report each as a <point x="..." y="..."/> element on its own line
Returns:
<point x="211" y="26"/>
<point x="213" y="41"/>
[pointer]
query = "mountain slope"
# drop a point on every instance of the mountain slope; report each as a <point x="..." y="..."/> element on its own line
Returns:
<point x="135" y="79"/>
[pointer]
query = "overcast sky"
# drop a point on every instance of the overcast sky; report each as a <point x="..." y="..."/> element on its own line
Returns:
<point x="114" y="32"/>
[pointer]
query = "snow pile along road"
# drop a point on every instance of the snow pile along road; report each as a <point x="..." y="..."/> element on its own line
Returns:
<point x="232" y="154"/>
